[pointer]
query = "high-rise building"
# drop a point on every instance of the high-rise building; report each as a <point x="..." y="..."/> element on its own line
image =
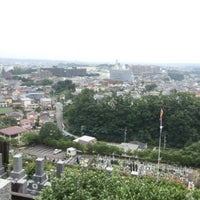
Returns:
<point x="120" y="73"/>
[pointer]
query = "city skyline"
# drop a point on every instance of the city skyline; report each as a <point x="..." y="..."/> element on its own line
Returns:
<point x="101" y="31"/>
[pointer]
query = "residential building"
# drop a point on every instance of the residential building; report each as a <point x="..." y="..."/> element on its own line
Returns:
<point x="46" y="103"/>
<point x="85" y="140"/>
<point x="13" y="132"/>
<point x="26" y="124"/>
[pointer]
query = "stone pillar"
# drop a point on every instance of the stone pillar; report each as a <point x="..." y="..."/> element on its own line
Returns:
<point x="39" y="170"/>
<point x="17" y="160"/>
<point x="59" y="168"/>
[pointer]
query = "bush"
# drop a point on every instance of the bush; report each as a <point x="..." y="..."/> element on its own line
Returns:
<point x="96" y="184"/>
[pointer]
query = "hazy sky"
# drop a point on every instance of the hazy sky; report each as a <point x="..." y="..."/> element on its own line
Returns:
<point x="101" y="30"/>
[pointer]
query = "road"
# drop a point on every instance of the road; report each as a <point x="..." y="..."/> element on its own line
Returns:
<point x="59" y="115"/>
<point x="59" y="119"/>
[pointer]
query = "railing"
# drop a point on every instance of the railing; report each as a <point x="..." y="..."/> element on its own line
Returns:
<point x="20" y="196"/>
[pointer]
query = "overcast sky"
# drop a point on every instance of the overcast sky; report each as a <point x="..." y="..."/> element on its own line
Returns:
<point x="155" y="31"/>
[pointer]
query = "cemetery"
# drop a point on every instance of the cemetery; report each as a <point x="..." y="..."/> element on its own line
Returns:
<point x="16" y="182"/>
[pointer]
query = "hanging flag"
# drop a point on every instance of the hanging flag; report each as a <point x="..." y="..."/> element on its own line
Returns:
<point x="190" y="185"/>
<point x="161" y="113"/>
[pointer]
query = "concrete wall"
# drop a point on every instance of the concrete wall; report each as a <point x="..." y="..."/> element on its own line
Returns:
<point x="5" y="189"/>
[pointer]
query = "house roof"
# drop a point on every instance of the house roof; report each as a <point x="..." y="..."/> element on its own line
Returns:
<point x="45" y="100"/>
<point x="25" y="120"/>
<point x="13" y="130"/>
<point x="71" y="149"/>
<point x="15" y="114"/>
<point x="2" y="100"/>
<point x="85" y="138"/>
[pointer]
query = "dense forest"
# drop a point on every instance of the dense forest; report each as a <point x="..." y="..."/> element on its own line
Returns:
<point x="109" y="117"/>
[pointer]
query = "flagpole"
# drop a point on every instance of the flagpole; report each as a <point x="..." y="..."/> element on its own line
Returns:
<point x="161" y="114"/>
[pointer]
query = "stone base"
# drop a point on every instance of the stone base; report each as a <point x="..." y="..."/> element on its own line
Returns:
<point x="17" y="175"/>
<point x="40" y="179"/>
<point x="19" y="186"/>
<point x="34" y="188"/>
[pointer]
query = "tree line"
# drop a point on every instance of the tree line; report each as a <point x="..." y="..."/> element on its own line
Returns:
<point x="109" y="117"/>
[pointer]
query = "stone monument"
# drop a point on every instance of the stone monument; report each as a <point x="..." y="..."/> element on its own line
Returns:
<point x="18" y="172"/>
<point x="17" y="175"/>
<point x="59" y="168"/>
<point x="39" y="178"/>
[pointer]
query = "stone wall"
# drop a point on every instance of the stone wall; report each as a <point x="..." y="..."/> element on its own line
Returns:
<point x="5" y="189"/>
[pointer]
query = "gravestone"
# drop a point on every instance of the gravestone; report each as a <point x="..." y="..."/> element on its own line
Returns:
<point x="39" y="176"/>
<point x="18" y="172"/>
<point x="59" y="168"/>
<point x="17" y="175"/>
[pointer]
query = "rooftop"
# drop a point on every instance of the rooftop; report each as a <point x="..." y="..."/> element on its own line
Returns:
<point x="85" y="138"/>
<point x="13" y="130"/>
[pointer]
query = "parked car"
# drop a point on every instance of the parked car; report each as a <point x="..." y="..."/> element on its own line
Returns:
<point x="56" y="151"/>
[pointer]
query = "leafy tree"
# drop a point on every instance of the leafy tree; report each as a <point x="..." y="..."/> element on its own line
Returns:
<point x="96" y="184"/>
<point x="150" y="87"/>
<point x="63" y="86"/>
<point x="38" y="109"/>
<point x="3" y="72"/>
<point x="83" y="105"/>
<point x="30" y="138"/>
<point x="50" y="130"/>
<point x="19" y="70"/>
<point x="27" y="81"/>
<point x="107" y="118"/>
<point x="14" y="142"/>
<point x="37" y="123"/>
<point x="8" y="121"/>
<point x="45" y="81"/>
<point x="62" y="143"/>
<point x="187" y="156"/>
<point x="103" y="149"/>
<point x="30" y="169"/>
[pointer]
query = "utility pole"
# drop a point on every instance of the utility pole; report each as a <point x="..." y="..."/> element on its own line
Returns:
<point x="165" y="141"/>
<point x="125" y="133"/>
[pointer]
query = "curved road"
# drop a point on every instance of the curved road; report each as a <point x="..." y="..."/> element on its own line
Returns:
<point x="59" y="119"/>
<point x="59" y="115"/>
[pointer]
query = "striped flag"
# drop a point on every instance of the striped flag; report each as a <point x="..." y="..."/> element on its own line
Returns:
<point x="161" y="113"/>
